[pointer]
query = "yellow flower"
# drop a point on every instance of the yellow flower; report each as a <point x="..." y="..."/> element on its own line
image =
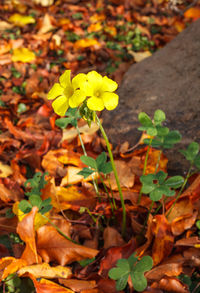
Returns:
<point x="100" y="91"/>
<point x="67" y="93"/>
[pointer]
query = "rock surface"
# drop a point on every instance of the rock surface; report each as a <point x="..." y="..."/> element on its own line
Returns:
<point x="168" y="80"/>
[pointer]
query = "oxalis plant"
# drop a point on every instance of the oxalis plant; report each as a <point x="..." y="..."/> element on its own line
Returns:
<point x="88" y="93"/>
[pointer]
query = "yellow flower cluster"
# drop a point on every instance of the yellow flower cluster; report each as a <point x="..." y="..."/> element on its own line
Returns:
<point x="98" y="90"/>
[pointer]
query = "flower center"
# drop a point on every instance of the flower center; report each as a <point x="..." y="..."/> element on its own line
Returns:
<point x="97" y="94"/>
<point x="68" y="91"/>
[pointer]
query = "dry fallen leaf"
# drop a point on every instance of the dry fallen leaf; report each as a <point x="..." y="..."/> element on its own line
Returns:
<point x="44" y="270"/>
<point x="5" y="170"/>
<point x="139" y="56"/>
<point x="23" y="55"/>
<point x="46" y="25"/>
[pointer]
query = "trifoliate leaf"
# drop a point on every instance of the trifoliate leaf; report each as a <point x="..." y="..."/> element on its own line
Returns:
<point x="159" y="117"/>
<point x="191" y="152"/>
<point x="89" y="161"/>
<point x="85" y="172"/>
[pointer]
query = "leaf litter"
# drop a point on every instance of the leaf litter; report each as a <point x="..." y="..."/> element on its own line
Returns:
<point x="40" y="39"/>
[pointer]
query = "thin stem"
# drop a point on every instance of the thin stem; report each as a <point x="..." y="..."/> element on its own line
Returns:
<point x="144" y="168"/>
<point x="180" y="191"/>
<point x="115" y="173"/>
<point x="58" y="229"/>
<point x="85" y="153"/>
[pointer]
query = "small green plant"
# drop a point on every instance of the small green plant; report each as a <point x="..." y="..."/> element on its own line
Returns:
<point x="35" y="185"/>
<point x="157" y="185"/>
<point x="134" y="268"/>
<point x="98" y="165"/>
<point x="14" y="284"/>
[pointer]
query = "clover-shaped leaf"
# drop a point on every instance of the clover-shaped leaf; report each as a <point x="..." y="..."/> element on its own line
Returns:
<point x="133" y="267"/>
<point x="99" y="165"/>
<point x="159" y="117"/>
<point x="36" y="184"/>
<point x="191" y="154"/>
<point x="156" y="185"/>
<point x="147" y="124"/>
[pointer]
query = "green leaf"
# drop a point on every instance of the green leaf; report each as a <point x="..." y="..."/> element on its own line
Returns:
<point x="85" y="172"/>
<point x="25" y="206"/>
<point x="35" y="200"/>
<point x="162" y="131"/>
<point x="46" y="202"/>
<point x="191" y="152"/>
<point x="106" y="168"/>
<point x="197" y="161"/>
<point x="145" y="120"/>
<point x="63" y="122"/>
<point x="161" y="176"/>
<point x="159" y="117"/>
<point x="145" y="264"/>
<point x="139" y="281"/>
<point x="174" y="182"/>
<point x="171" y="138"/>
<point x="85" y="262"/>
<point x="156" y="194"/>
<point x="122" y="282"/>
<point x="101" y="160"/>
<point x="45" y="209"/>
<point x="198" y="224"/>
<point x="89" y="161"/>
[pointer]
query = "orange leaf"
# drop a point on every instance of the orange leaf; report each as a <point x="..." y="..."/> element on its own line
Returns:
<point x="46" y="286"/>
<point x="26" y="231"/>
<point x="94" y="27"/>
<point x="193" y="12"/>
<point x="78" y="285"/>
<point x="54" y="247"/>
<point x="10" y="266"/>
<point x="163" y="243"/>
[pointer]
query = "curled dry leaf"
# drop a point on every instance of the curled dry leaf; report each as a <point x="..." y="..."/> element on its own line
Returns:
<point x="112" y="238"/>
<point x="44" y="270"/>
<point x="173" y="285"/>
<point x="163" y="242"/>
<point x="54" y="247"/>
<point x="180" y="224"/>
<point x="168" y="269"/>
<point x="78" y="285"/>
<point x="26" y="231"/>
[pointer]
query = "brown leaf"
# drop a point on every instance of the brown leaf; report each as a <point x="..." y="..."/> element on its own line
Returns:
<point x="163" y="243"/>
<point x="112" y="237"/>
<point x="54" y="247"/>
<point x="26" y="231"/>
<point x="180" y="224"/>
<point x="78" y="285"/>
<point x="173" y="285"/>
<point x="168" y="269"/>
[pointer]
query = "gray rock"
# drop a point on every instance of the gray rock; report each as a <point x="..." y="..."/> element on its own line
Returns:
<point x="168" y="80"/>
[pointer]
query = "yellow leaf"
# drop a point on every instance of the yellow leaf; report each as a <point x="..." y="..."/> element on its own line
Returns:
<point x="44" y="270"/>
<point x="72" y="176"/>
<point x="84" y="43"/>
<point x="139" y="56"/>
<point x="21" y="20"/>
<point x="5" y="170"/>
<point x="111" y="30"/>
<point x="23" y="55"/>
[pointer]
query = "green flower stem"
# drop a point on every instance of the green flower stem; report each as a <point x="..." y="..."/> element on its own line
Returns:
<point x="180" y="191"/>
<point x="58" y="229"/>
<point x="145" y="166"/>
<point x="85" y="153"/>
<point x="115" y="173"/>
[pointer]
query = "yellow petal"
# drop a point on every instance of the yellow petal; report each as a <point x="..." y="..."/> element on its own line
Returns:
<point x="79" y="80"/>
<point x="60" y="105"/>
<point x="65" y="79"/>
<point x="23" y="55"/>
<point x="95" y="104"/>
<point x="55" y="91"/>
<point x="108" y="85"/>
<point x="21" y="20"/>
<point x="77" y="98"/>
<point x="110" y="100"/>
<point x="94" y="80"/>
